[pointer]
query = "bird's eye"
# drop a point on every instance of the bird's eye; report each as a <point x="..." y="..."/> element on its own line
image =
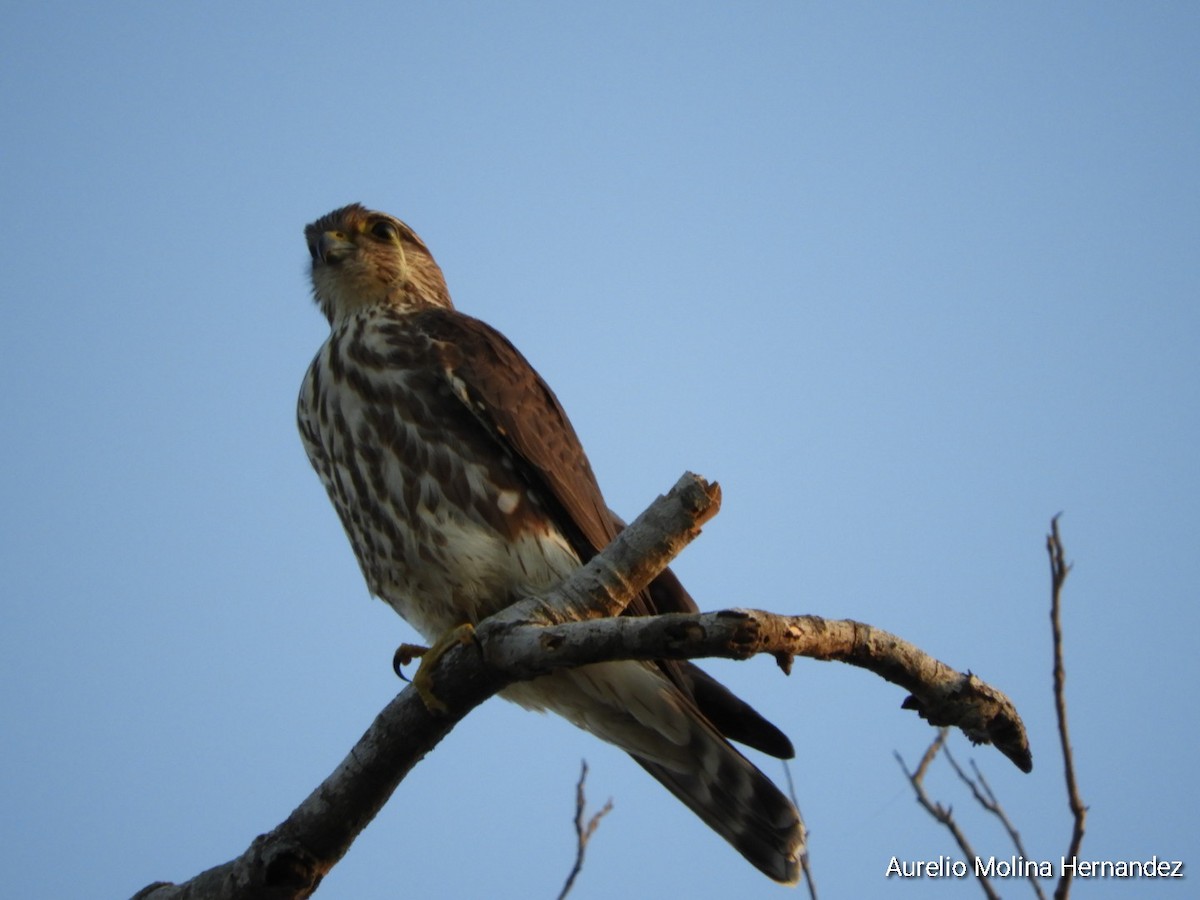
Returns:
<point x="385" y="230"/>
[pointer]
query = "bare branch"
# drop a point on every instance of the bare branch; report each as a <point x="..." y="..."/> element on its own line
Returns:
<point x="290" y="861"/>
<point x="808" y="876"/>
<point x="943" y="814"/>
<point x="805" y="867"/>
<point x="939" y="693"/>
<point x="583" y="830"/>
<point x="982" y="792"/>
<point x="978" y="785"/>
<point x="1059" y="569"/>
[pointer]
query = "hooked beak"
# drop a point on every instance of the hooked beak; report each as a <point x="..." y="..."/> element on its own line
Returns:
<point x="331" y="248"/>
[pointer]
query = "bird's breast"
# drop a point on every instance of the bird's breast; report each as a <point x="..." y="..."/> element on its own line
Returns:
<point x="444" y="528"/>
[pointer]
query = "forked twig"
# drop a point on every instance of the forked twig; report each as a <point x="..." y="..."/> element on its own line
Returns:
<point x="978" y="785"/>
<point x="982" y="792"/>
<point x="943" y="814"/>
<point x="583" y="830"/>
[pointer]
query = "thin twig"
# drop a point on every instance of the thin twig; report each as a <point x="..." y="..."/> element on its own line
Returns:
<point x="983" y="795"/>
<point x="808" y="876"/>
<point x="804" y="865"/>
<point x="942" y="814"/>
<point x="583" y="831"/>
<point x="1059" y="570"/>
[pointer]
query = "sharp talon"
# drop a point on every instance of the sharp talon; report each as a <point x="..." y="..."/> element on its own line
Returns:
<point x="423" y="680"/>
<point x="404" y="655"/>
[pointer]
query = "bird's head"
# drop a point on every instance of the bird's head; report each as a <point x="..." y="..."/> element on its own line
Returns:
<point x="362" y="258"/>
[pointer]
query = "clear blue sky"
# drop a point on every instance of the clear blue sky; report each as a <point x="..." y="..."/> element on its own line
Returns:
<point x="907" y="279"/>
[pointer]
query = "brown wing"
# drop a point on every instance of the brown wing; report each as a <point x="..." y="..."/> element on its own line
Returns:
<point x="511" y="401"/>
<point x="523" y="415"/>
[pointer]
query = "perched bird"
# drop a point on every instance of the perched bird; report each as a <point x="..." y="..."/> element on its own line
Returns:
<point x="463" y="488"/>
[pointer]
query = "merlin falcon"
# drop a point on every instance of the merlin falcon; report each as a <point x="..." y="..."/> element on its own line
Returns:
<point x="463" y="488"/>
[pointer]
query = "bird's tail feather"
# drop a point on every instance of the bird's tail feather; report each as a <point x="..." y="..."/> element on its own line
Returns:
<point x="743" y="806"/>
<point x="634" y="706"/>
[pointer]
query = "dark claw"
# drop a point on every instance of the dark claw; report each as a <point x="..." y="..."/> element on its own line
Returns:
<point x="405" y="654"/>
<point x="401" y="658"/>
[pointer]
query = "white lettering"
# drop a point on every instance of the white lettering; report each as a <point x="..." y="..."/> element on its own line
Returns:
<point x="1122" y="868"/>
<point x="942" y="867"/>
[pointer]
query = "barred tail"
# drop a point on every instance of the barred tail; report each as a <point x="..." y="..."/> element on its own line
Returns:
<point x="634" y="706"/>
<point x="739" y="803"/>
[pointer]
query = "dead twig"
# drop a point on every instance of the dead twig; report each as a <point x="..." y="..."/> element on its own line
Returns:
<point x="982" y="792"/>
<point x="1059" y="569"/>
<point x="583" y="830"/>
<point x="808" y="876"/>
<point x="809" y="882"/>
<point x="978" y="785"/>
<point x="943" y="814"/>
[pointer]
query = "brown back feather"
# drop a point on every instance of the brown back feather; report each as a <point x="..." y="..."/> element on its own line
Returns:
<point x="523" y="415"/>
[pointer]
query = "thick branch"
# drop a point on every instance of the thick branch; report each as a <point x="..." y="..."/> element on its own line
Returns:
<point x="608" y="582"/>
<point x="939" y="693"/>
<point x="291" y="860"/>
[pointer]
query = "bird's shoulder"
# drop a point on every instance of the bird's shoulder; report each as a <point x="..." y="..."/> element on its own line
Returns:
<point x="502" y="390"/>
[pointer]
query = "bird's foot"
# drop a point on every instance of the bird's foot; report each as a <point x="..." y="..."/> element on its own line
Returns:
<point x="423" y="680"/>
